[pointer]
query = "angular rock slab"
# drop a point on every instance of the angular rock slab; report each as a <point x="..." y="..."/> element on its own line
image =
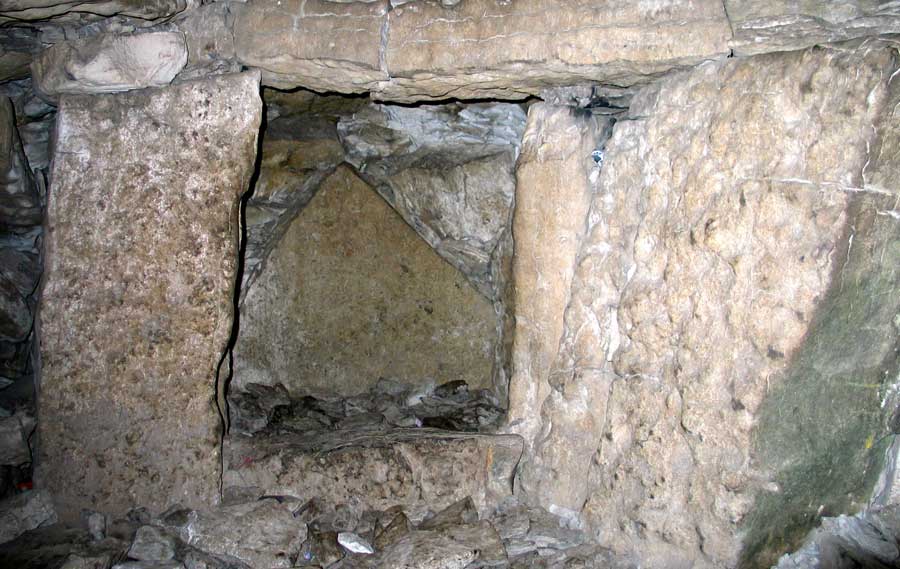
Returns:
<point x="421" y="470"/>
<point x="762" y="26"/>
<point x="477" y="49"/>
<point x="137" y="306"/>
<point x="19" y="10"/>
<point x="109" y="63"/>
<point x="732" y="314"/>
<point x="25" y="512"/>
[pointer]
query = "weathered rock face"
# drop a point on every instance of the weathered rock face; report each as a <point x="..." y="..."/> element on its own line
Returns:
<point x="417" y="469"/>
<point x="110" y="63"/>
<point x="475" y="49"/>
<point x="299" y="151"/>
<point x="723" y="348"/>
<point x="137" y="305"/>
<point x="448" y="171"/>
<point x="336" y="309"/>
<point x="553" y="189"/>
<point x="19" y="10"/>
<point x="762" y="26"/>
<point x="20" y="205"/>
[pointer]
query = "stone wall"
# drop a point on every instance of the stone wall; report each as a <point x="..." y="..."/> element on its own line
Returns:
<point x="352" y="294"/>
<point x="137" y="307"/>
<point x="714" y="366"/>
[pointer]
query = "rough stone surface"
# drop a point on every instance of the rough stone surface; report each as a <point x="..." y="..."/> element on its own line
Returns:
<point x="418" y="469"/>
<point x="20" y="205"/>
<point x="447" y="170"/>
<point x="321" y="45"/>
<point x="762" y="26"/>
<point x="351" y="295"/>
<point x="553" y="195"/>
<point x="25" y="512"/>
<point x="13" y="442"/>
<point x="137" y="305"/>
<point x="261" y="533"/>
<point x="30" y="10"/>
<point x="209" y="40"/>
<point x="709" y="304"/>
<point x="110" y="63"/>
<point x="474" y="49"/>
<point x="152" y="544"/>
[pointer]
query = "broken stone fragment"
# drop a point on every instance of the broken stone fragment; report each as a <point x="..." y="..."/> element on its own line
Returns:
<point x="109" y="63"/>
<point x="149" y="565"/>
<point x="321" y="549"/>
<point x="14" y="449"/>
<point x="19" y="201"/>
<point x="762" y="26"/>
<point x="398" y="527"/>
<point x="152" y="544"/>
<point x="25" y="512"/>
<point x="460" y="513"/>
<point x="453" y="547"/>
<point x="76" y="561"/>
<point x="264" y="533"/>
<point x="353" y="543"/>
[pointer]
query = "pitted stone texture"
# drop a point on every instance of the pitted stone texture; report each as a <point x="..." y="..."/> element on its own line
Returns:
<point x="476" y="49"/>
<point x="421" y="470"/>
<point x="762" y="26"/>
<point x="553" y="195"/>
<point x="110" y="63"/>
<point x="714" y="238"/>
<point x="351" y="295"/>
<point x="321" y="45"/>
<point x="448" y="171"/>
<point x="138" y="301"/>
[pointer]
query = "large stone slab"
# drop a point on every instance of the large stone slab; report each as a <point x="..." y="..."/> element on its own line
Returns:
<point x="137" y="306"/>
<point x="109" y="63"/>
<point x="421" y="470"/>
<point x="351" y="294"/>
<point x="509" y="50"/>
<point x="321" y="45"/>
<point x="762" y="26"/>
<point x="731" y="324"/>
<point x="475" y="49"/>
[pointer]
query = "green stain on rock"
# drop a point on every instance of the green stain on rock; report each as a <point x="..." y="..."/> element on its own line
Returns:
<point x="822" y="430"/>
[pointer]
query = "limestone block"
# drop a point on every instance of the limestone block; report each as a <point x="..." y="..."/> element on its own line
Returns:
<point x="731" y="323"/>
<point x="109" y="63"/>
<point x="422" y="470"/>
<point x="762" y="26"/>
<point x="30" y="10"/>
<point x="137" y="307"/>
<point x="484" y="48"/>
<point x="553" y="195"/>
<point x="321" y="45"/>
<point x="351" y="295"/>
<point x="474" y="49"/>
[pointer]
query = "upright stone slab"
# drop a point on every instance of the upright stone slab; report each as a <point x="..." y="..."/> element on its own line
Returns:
<point x="553" y="196"/>
<point x="725" y="370"/>
<point x="137" y="307"/>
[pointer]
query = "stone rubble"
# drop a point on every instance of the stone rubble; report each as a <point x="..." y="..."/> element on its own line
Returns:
<point x="388" y="404"/>
<point x="272" y="533"/>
